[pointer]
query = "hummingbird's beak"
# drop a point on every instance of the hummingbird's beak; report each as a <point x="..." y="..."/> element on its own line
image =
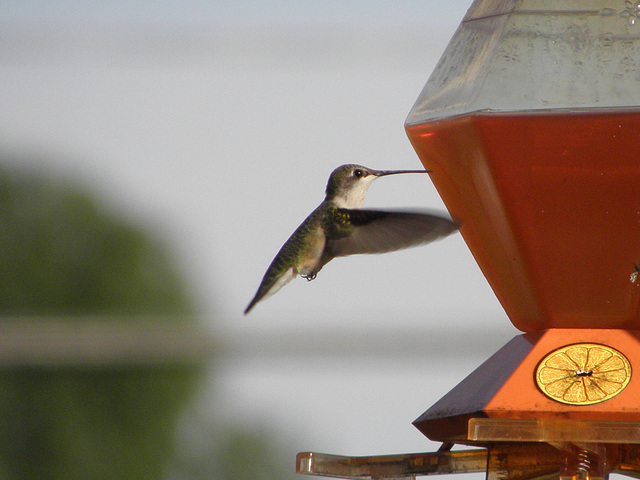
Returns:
<point x="382" y="173"/>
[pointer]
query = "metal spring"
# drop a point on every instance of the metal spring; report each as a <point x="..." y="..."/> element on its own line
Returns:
<point x="584" y="464"/>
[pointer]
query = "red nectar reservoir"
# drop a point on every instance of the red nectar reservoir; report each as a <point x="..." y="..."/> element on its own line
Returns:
<point x="531" y="125"/>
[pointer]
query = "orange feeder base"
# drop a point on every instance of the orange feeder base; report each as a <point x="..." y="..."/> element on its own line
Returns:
<point x="555" y="404"/>
<point x="557" y="374"/>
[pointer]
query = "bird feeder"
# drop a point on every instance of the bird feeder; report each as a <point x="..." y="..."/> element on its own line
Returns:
<point x="530" y="124"/>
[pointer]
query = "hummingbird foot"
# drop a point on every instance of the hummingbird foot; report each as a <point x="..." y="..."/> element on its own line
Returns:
<point x="310" y="276"/>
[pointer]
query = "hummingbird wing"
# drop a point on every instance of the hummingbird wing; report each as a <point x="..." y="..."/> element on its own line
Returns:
<point x="380" y="231"/>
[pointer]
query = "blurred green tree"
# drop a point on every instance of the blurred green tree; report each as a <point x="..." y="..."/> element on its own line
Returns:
<point x="63" y="255"/>
<point x="60" y="253"/>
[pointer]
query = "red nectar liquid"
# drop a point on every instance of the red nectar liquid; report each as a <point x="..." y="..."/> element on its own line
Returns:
<point x="550" y="207"/>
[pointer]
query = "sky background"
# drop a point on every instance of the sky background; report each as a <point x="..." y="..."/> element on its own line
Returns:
<point x="216" y="125"/>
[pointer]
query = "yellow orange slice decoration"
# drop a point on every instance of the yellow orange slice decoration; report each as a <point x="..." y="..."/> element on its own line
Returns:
<point x="583" y="374"/>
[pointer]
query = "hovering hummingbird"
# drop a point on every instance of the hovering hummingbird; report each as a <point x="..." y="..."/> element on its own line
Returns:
<point x="338" y="227"/>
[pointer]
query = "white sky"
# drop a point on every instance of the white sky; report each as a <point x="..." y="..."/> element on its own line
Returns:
<point x="240" y="12"/>
<point x="217" y="124"/>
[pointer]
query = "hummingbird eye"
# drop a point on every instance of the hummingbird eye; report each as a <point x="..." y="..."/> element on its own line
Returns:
<point x="358" y="172"/>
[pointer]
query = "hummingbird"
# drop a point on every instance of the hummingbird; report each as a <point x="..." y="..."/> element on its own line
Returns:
<point x="338" y="227"/>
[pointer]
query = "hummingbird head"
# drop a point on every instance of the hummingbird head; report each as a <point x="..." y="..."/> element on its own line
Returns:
<point x="348" y="184"/>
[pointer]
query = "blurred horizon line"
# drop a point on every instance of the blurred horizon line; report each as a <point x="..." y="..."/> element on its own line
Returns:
<point x="385" y="342"/>
<point x="116" y="340"/>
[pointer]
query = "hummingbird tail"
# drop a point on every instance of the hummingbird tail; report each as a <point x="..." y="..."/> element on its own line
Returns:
<point x="271" y="285"/>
